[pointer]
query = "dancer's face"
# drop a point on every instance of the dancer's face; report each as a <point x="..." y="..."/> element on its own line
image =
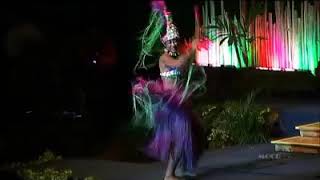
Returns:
<point x="171" y="45"/>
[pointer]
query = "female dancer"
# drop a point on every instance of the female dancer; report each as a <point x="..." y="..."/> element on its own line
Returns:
<point x="163" y="105"/>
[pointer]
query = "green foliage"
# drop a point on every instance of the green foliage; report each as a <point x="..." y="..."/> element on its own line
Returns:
<point x="49" y="174"/>
<point x="34" y="171"/>
<point x="45" y="174"/>
<point x="236" y="31"/>
<point x="236" y="122"/>
<point x="47" y="156"/>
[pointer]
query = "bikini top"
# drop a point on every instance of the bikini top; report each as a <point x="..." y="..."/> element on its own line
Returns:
<point x="172" y="72"/>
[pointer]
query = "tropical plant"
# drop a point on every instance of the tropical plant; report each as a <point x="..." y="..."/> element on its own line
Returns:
<point x="237" y="122"/>
<point x="47" y="156"/>
<point x="34" y="170"/>
<point x="237" y="31"/>
<point x="45" y="174"/>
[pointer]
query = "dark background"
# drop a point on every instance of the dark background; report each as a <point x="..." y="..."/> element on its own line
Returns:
<point x="50" y="78"/>
<point x="47" y="59"/>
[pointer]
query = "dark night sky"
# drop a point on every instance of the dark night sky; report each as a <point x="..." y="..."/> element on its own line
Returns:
<point x="61" y="39"/>
<point x="51" y="45"/>
<point x="55" y="43"/>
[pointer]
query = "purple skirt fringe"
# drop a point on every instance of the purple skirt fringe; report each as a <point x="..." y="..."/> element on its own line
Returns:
<point x="177" y="133"/>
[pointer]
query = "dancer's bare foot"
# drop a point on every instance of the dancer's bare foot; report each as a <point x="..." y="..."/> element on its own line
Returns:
<point x="172" y="178"/>
<point x="185" y="173"/>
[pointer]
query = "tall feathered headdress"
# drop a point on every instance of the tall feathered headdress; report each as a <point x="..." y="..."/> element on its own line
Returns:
<point x="171" y="29"/>
<point x="159" y="17"/>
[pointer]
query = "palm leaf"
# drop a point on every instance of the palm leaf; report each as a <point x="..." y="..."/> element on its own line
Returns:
<point x="231" y="41"/>
<point x="243" y="28"/>
<point x="223" y="40"/>
<point x="222" y="35"/>
<point x="212" y="27"/>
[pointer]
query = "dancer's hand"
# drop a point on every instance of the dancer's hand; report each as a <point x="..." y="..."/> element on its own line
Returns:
<point x="195" y="42"/>
<point x="191" y="44"/>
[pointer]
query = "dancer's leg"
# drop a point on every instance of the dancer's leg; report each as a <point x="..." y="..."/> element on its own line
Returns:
<point x="182" y="171"/>
<point x="171" y="167"/>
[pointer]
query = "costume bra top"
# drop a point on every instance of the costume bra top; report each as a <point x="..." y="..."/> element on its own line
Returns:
<point x="172" y="72"/>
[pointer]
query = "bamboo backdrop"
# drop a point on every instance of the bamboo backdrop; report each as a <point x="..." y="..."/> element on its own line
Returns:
<point x="291" y="42"/>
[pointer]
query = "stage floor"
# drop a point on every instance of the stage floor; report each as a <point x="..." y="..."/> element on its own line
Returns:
<point x="238" y="162"/>
<point x="294" y="112"/>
